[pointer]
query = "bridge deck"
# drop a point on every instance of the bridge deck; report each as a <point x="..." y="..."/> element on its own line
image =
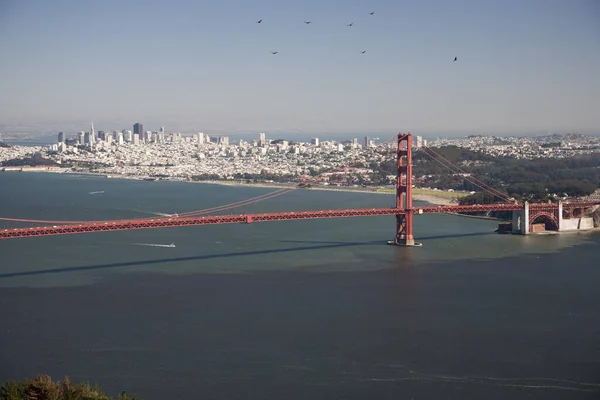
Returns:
<point x="117" y="225"/>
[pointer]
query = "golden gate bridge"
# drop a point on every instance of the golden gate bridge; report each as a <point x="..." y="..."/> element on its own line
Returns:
<point x="525" y="215"/>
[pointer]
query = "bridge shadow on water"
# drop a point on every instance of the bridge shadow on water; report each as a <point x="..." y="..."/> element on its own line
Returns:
<point x="316" y="245"/>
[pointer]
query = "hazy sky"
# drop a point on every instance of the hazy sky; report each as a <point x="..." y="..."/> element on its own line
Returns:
<point x="523" y="65"/>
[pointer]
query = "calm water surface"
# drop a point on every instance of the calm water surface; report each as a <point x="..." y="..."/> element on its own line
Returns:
<point x="295" y="309"/>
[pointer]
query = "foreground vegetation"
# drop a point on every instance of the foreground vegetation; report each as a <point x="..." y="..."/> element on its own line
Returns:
<point x="43" y="388"/>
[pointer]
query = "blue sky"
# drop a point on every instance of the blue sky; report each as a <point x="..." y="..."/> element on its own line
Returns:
<point x="523" y="65"/>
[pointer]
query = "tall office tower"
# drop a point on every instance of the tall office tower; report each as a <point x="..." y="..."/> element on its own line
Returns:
<point x="224" y="140"/>
<point x="81" y="137"/>
<point x="87" y="138"/>
<point x="314" y="141"/>
<point x="366" y="142"/>
<point x="419" y="142"/>
<point x="162" y="130"/>
<point x="120" y="138"/>
<point x="128" y="136"/>
<point x="148" y="136"/>
<point x="139" y="129"/>
<point x="262" y="139"/>
<point x="136" y="138"/>
<point x="92" y="137"/>
<point x="101" y="135"/>
<point x="61" y="137"/>
<point x="200" y="138"/>
<point x="354" y="142"/>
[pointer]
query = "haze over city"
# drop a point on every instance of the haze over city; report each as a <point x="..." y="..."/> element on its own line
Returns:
<point x="208" y="66"/>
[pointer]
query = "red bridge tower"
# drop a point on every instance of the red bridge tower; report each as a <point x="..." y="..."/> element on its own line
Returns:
<point x="404" y="221"/>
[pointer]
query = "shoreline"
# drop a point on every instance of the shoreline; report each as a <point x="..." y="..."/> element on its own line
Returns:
<point x="429" y="198"/>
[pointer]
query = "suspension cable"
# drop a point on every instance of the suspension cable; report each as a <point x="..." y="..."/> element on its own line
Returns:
<point x="473" y="181"/>
<point x="464" y="172"/>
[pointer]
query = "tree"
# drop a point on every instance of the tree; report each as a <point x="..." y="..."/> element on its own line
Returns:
<point x="43" y="388"/>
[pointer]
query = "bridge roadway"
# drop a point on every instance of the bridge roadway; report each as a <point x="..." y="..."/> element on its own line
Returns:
<point x="130" y="224"/>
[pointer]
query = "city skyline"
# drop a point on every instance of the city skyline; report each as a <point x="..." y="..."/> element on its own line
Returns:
<point x="521" y="68"/>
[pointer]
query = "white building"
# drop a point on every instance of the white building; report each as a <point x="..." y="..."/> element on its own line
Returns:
<point x="419" y="142"/>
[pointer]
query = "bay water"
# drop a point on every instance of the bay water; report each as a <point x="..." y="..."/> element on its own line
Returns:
<point x="316" y="309"/>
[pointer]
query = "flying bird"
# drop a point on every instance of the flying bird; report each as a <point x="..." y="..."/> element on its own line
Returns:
<point x="274" y="52"/>
<point x="259" y="21"/>
<point x="350" y="24"/>
<point x="364" y="51"/>
<point x="307" y="22"/>
<point x="371" y="13"/>
<point x="455" y="59"/>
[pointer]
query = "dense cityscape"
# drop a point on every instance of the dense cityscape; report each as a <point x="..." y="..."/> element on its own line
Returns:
<point x="160" y="155"/>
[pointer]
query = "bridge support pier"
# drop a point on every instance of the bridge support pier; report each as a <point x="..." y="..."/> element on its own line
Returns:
<point x="404" y="219"/>
<point x="561" y="225"/>
<point x="520" y="220"/>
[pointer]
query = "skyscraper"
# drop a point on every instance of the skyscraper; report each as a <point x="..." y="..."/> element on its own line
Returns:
<point x="61" y="137"/>
<point x="419" y="143"/>
<point x="262" y="138"/>
<point x="92" y="139"/>
<point x="139" y="129"/>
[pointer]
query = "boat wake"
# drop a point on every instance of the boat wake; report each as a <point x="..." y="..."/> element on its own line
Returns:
<point x="98" y="192"/>
<point x="162" y="214"/>
<point x="153" y="213"/>
<point x="154" y="244"/>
